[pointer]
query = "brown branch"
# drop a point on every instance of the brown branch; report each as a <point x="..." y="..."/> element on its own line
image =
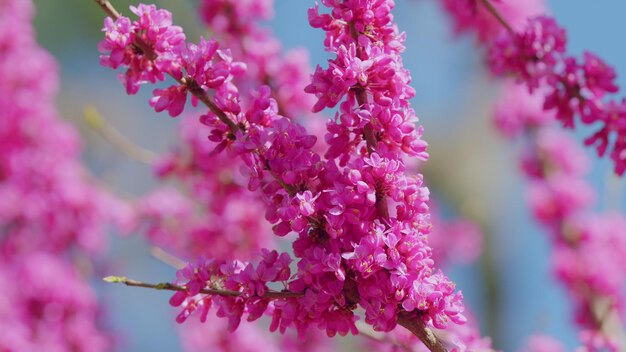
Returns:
<point x="209" y="291"/>
<point x="491" y="9"/>
<point x="415" y="325"/>
<point x="203" y="96"/>
<point x="108" y="8"/>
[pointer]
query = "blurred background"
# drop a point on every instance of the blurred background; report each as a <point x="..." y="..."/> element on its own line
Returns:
<point x="472" y="171"/>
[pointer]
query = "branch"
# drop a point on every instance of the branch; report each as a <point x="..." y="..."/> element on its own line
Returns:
<point x="108" y="8"/>
<point x="209" y="291"/>
<point x="414" y="324"/>
<point x="367" y="331"/>
<point x="492" y="10"/>
<point x="191" y="84"/>
<point x="368" y="133"/>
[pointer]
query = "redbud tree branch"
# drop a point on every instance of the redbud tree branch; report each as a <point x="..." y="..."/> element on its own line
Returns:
<point x="602" y="315"/>
<point x="489" y="7"/>
<point x="368" y="133"/>
<point x="606" y="318"/>
<point x="193" y="86"/>
<point x="410" y="320"/>
<point x="209" y="291"/>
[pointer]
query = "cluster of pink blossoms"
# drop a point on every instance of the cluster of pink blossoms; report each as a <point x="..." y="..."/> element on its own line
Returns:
<point x="589" y="249"/>
<point x="534" y="51"/>
<point x="217" y="217"/>
<point x="361" y="222"/>
<point x="235" y="24"/>
<point x="573" y="87"/>
<point x="45" y="305"/>
<point x="49" y="211"/>
<point x="214" y="215"/>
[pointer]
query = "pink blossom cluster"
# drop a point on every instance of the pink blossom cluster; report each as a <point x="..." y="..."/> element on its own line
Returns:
<point x="589" y="248"/>
<point x="249" y="281"/>
<point x="50" y="212"/>
<point x="556" y="86"/>
<point x="543" y="343"/>
<point x="373" y="129"/>
<point x="46" y="305"/>
<point x="152" y="48"/>
<point x="573" y="87"/>
<point x="454" y="240"/>
<point x="237" y="25"/>
<point x="39" y="166"/>
<point x="350" y="248"/>
<point x="213" y="336"/>
<point x="213" y="214"/>
<point x="535" y="53"/>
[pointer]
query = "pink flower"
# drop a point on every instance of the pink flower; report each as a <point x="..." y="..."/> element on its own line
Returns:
<point x="532" y="54"/>
<point x="171" y="99"/>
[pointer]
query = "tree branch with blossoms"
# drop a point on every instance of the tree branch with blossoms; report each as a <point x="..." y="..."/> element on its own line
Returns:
<point x="535" y="54"/>
<point x="346" y="252"/>
<point x="209" y="291"/>
<point x="551" y="86"/>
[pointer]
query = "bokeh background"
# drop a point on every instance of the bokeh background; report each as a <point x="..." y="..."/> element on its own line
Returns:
<point x="472" y="171"/>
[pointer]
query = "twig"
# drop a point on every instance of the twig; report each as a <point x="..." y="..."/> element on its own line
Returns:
<point x="192" y="85"/>
<point x="108" y="8"/>
<point x="113" y="136"/>
<point x="188" y="82"/>
<point x="415" y="325"/>
<point x="209" y="291"/>
<point x="489" y="6"/>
